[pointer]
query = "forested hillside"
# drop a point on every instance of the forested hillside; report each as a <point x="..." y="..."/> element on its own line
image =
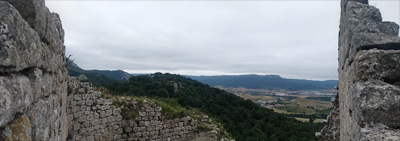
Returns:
<point x="94" y="77"/>
<point x="116" y="74"/>
<point x="245" y="120"/>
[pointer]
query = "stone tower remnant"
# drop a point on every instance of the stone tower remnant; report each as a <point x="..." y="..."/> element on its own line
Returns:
<point x="367" y="106"/>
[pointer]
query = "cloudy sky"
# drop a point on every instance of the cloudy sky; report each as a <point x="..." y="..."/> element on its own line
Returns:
<point x="294" y="39"/>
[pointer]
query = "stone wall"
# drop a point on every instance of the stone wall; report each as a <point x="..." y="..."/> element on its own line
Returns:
<point x="95" y="118"/>
<point x="33" y="77"/>
<point x="39" y="101"/>
<point x="369" y="64"/>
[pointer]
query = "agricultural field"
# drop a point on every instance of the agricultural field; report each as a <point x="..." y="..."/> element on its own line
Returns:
<point x="261" y="97"/>
<point x="301" y="107"/>
<point x="307" y="119"/>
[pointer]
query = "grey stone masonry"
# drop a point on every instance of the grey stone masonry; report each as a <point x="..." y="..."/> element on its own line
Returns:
<point x="95" y="118"/>
<point x="367" y="106"/>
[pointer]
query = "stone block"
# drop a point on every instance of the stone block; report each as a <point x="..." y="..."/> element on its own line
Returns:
<point x="100" y="101"/>
<point x="106" y="107"/>
<point x="73" y="103"/>
<point x="89" y="117"/>
<point x="135" y="129"/>
<point x="109" y="101"/>
<point x="82" y="131"/>
<point x="96" y="115"/>
<point x="158" y="114"/>
<point x="111" y="119"/>
<point x="90" y="138"/>
<point x="80" y="103"/>
<point x="141" y="123"/>
<point x="145" y="134"/>
<point x="77" y="114"/>
<point x="89" y="102"/>
<point x="104" y="120"/>
<point x="149" y="128"/>
<point x="90" y="129"/>
<point x="102" y="114"/>
<point x="128" y="129"/>
<point x="81" y="90"/>
<point x="70" y="117"/>
<point x="108" y="113"/>
<point x="119" y="118"/>
<point x="77" y="97"/>
<point x="77" y="126"/>
<point x="158" y="109"/>
<point x="100" y="107"/>
<point x="95" y="122"/>
<point x="120" y="131"/>
<point x="149" y="109"/>
<point x="86" y="124"/>
<point x="116" y="112"/>
<point x="145" y="118"/>
<point x="142" y="129"/>
<point x="124" y="136"/>
<point x="139" y="134"/>
<point x="82" y="119"/>
<point x="84" y="96"/>
<point x="97" y="127"/>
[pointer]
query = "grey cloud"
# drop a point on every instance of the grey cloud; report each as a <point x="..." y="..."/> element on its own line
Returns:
<point x="294" y="39"/>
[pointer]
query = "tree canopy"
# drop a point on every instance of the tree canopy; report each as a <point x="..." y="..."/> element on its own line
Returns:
<point x="245" y="120"/>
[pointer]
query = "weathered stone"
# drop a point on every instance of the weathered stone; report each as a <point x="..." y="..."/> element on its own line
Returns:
<point x="108" y="113"/>
<point x="77" y="126"/>
<point x="120" y="131"/>
<point x="367" y="107"/>
<point x="102" y="114"/>
<point x="20" y="129"/>
<point x="100" y="101"/>
<point x="106" y="107"/>
<point x="96" y="115"/>
<point x="104" y="120"/>
<point x="16" y="96"/>
<point x="116" y="112"/>
<point x="158" y="109"/>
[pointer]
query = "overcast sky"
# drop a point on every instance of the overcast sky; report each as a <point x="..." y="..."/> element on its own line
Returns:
<point x="293" y="39"/>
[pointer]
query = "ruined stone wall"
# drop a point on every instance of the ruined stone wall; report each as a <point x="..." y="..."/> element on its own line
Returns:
<point x="95" y="118"/>
<point x="369" y="88"/>
<point x="39" y="101"/>
<point x="33" y="77"/>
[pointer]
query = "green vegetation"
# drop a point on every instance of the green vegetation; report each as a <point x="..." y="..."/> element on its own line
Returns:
<point x="68" y="61"/>
<point x="203" y="127"/>
<point x="172" y="108"/>
<point x="243" y="119"/>
<point x="128" y="113"/>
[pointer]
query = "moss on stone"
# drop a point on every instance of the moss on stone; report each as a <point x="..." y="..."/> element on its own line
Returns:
<point x="19" y="130"/>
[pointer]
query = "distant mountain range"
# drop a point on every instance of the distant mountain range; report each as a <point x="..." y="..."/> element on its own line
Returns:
<point x="265" y="82"/>
<point x="252" y="81"/>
